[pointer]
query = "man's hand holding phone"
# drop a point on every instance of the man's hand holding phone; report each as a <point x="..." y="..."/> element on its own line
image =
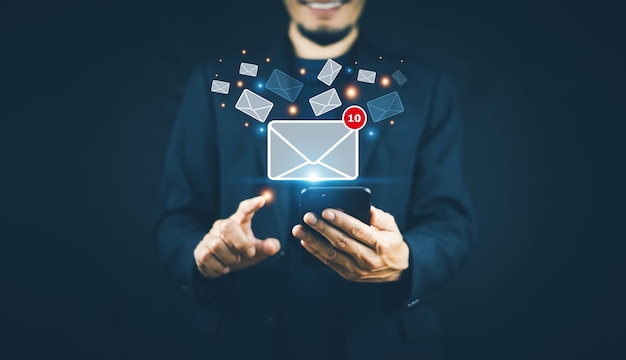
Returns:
<point x="355" y="250"/>
<point x="231" y="244"/>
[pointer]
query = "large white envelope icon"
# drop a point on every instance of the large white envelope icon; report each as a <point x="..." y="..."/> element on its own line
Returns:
<point x="248" y="69"/>
<point x="312" y="150"/>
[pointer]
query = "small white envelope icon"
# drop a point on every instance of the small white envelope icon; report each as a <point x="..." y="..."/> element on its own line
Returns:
<point x="329" y="72"/>
<point x="366" y="76"/>
<point x="254" y="105"/>
<point x="312" y="150"/>
<point x="325" y="102"/>
<point x="220" y="87"/>
<point x="248" y="69"/>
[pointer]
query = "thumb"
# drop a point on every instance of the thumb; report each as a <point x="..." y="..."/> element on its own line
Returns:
<point x="266" y="248"/>
<point x="383" y="220"/>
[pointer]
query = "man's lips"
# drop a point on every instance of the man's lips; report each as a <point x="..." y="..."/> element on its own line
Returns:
<point x="324" y="6"/>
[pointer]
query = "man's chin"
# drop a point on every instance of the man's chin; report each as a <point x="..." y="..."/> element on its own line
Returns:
<point x="325" y="36"/>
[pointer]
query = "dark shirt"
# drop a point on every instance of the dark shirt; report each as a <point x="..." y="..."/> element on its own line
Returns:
<point x="308" y="289"/>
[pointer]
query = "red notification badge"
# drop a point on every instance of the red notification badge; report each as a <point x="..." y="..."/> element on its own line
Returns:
<point x="354" y="117"/>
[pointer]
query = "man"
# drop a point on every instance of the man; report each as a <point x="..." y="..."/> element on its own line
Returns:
<point x="239" y="255"/>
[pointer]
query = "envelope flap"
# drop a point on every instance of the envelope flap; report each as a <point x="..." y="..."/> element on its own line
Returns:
<point x="256" y="101"/>
<point x="316" y="172"/>
<point x="282" y="80"/>
<point x="284" y="85"/>
<point x="254" y="105"/>
<point x="312" y="138"/>
<point x="379" y="105"/>
<point x="248" y="66"/>
<point x="385" y="106"/>
<point x="289" y="83"/>
<point x="396" y="103"/>
<point x="326" y="98"/>
<point x="338" y="160"/>
<point x="334" y="98"/>
<point x="329" y="72"/>
<point x="288" y="158"/>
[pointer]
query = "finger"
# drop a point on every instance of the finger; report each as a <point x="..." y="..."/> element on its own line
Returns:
<point x="213" y="269"/>
<point x="223" y="252"/>
<point x="208" y="264"/>
<point x="351" y="273"/>
<point x="216" y="228"/>
<point x="314" y="252"/>
<point x="208" y="273"/>
<point x="365" y="256"/>
<point x="302" y="233"/>
<point x="213" y="264"/>
<point x="353" y="227"/>
<point x="247" y="208"/>
<point x="383" y="220"/>
<point x="379" y="278"/>
<point x="232" y="234"/>
<point x="329" y="252"/>
<point x="266" y="248"/>
<point x="339" y="269"/>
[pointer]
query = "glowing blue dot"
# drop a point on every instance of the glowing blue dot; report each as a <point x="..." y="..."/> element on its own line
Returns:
<point x="261" y="129"/>
<point x="260" y="86"/>
<point x="371" y="133"/>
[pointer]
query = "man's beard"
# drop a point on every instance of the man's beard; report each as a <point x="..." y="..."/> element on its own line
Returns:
<point x="325" y="37"/>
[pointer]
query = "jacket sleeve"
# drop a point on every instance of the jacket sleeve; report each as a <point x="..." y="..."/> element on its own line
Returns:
<point x="189" y="196"/>
<point x="440" y="232"/>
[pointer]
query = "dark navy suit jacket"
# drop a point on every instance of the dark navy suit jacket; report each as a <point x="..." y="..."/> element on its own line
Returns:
<point x="413" y="169"/>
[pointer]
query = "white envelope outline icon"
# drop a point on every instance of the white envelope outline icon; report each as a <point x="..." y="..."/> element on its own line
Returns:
<point x="254" y="105"/>
<point x="248" y="69"/>
<point x="220" y="87"/>
<point x="325" y="102"/>
<point x="313" y="150"/>
<point x="366" y="76"/>
<point x="329" y="72"/>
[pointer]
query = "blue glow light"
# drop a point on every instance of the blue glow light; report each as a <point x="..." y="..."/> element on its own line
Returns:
<point x="371" y="133"/>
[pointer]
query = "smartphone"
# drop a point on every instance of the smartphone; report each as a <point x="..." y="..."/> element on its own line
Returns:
<point x="353" y="200"/>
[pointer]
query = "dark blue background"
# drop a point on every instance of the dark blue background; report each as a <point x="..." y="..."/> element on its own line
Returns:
<point x="89" y="92"/>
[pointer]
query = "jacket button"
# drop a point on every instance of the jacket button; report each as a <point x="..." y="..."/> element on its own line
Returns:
<point x="281" y="253"/>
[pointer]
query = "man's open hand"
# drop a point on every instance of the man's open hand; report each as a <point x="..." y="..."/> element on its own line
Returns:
<point x="356" y="251"/>
<point x="231" y="244"/>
